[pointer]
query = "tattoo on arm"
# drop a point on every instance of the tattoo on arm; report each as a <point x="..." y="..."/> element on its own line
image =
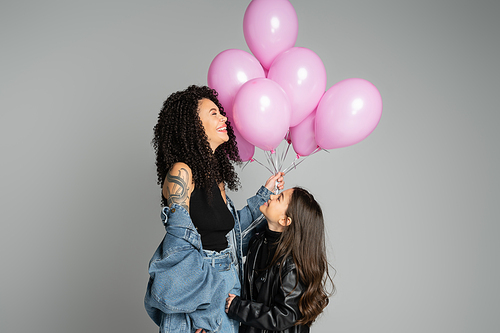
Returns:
<point x="178" y="189"/>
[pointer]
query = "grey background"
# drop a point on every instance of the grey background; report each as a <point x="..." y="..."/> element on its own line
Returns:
<point x="411" y="212"/>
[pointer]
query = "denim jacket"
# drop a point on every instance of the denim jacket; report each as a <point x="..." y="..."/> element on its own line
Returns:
<point x="182" y="284"/>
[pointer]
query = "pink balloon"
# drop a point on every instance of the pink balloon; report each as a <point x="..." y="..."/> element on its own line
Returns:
<point x="246" y="149"/>
<point x="227" y="73"/>
<point x="347" y="113"/>
<point x="261" y="112"/>
<point x="302" y="136"/>
<point x="301" y="73"/>
<point x="270" y="27"/>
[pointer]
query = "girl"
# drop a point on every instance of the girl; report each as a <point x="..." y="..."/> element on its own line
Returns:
<point x="286" y="268"/>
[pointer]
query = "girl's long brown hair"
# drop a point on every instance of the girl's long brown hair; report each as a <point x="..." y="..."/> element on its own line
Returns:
<point x="304" y="240"/>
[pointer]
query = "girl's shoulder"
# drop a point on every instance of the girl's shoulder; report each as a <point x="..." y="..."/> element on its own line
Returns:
<point x="256" y="238"/>
<point x="288" y="265"/>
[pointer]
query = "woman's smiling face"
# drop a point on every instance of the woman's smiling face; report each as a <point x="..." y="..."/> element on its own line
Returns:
<point x="213" y="122"/>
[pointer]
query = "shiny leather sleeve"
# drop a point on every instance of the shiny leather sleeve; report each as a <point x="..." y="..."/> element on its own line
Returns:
<point x="282" y="314"/>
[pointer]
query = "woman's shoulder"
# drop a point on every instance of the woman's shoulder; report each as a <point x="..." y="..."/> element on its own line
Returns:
<point x="180" y="172"/>
<point x="178" y="184"/>
<point x="178" y="166"/>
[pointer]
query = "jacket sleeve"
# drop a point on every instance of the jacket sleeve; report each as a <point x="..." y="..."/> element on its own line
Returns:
<point x="250" y="216"/>
<point x="251" y="211"/>
<point x="181" y="281"/>
<point x="282" y="314"/>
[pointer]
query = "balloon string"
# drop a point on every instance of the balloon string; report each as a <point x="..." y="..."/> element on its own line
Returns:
<point x="317" y="150"/>
<point x="271" y="161"/>
<point x="246" y="163"/>
<point x="284" y="155"/>
<point x="267" y="160"/>
<point x="263" y="165"/>
<point x="281" y="159"/>
<point x="295" y="163"/>
<point x="276" y="162"/>
<point x="285" y="152"/>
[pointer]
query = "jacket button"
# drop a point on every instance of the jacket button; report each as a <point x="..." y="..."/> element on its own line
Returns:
<point x="173" y="210"/>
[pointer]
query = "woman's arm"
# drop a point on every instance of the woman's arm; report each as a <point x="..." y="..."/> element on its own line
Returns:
<point x="178" y="185"/>
<point x="251" y="211"/>
<point x="250" y="217"/>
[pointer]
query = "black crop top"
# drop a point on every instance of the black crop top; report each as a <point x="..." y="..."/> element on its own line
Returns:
<point x="211" y="217"/>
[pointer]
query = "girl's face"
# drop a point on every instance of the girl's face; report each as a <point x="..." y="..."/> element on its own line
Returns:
<point x="275" y="210"/>
<point x="213" y="122"/>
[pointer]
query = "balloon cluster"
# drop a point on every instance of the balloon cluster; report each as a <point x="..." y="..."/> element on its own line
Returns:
<point x="279" y="92"/>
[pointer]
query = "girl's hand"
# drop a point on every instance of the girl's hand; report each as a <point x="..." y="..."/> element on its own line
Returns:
<point x="275" y="181"/>
<point x="200" y="330"/>
<point x="228" y="302"/>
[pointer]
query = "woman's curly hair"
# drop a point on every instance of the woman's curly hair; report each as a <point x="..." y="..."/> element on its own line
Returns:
<point x="179" y="136"/>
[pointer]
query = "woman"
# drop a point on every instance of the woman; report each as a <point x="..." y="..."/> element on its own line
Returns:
<point x="199" y="260"/>
<point x="286" y="268"/>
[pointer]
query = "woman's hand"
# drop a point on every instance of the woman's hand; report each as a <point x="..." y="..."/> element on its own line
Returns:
<point x="275" y="181"/>
<point x="228" y="301"/>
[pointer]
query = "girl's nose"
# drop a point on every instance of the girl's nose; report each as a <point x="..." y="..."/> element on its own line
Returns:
<point x="223" y="119"/>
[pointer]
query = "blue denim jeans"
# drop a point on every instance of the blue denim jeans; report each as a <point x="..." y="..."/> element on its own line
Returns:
<point x="226" y="264"/>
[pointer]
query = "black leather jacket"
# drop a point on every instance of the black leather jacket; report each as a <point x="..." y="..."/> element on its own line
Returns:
<point x="273" y="304"/>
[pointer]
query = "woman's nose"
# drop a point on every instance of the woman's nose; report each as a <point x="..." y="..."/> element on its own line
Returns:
<point x="223" y="119"/>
